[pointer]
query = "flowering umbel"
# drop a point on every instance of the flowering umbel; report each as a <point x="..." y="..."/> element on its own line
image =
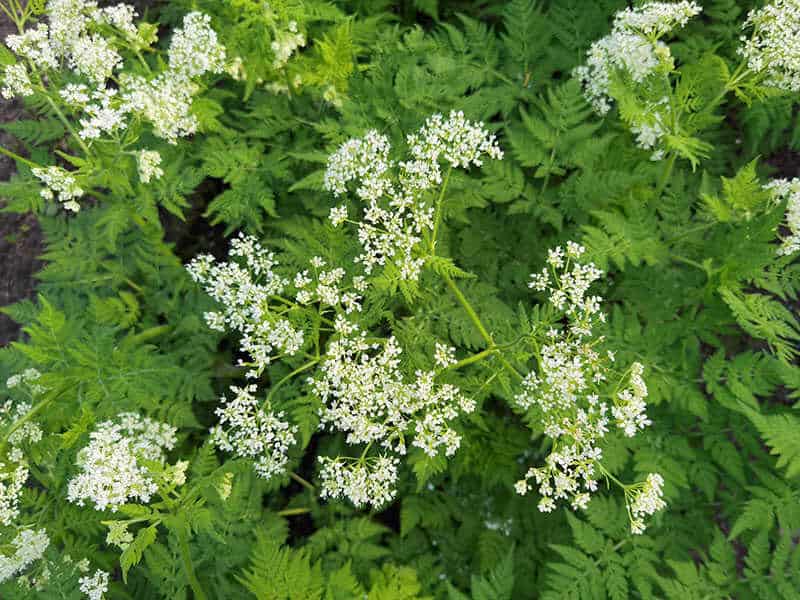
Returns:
<point x="113" y="469"/>
<point x="569" y="391"/>
<point x="786" y="190"/>
<point x="634" y="53"/>
<point x="398" y="212"/>
<point x="774" y="46"/>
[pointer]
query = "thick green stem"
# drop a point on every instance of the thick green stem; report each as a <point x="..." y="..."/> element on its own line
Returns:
<point x="473" y="316"/>
<point x="310" y="487"/>
<point x="474" y="358"/>
<point x="17" y="157"/>
<point x="186" y="557"/>
<point x="64" y="120"/>
<point x="666" y="175"/>
<point x="290" y="512"/>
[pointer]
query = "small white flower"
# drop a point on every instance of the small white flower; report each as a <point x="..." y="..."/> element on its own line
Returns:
<point x="774" y="47"/>
<point x="16" y="82"/>
<point x="249" y="431"/>
<point x="59" y="183"/>
<point x="95" y="586"/>
<point x="111" y="473"/>
<point x="338" y="215"/>
<point x="784" y="190"/>
<point x="149" y="162"/>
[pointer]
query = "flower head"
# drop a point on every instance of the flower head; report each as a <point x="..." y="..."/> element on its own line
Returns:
<point x="774" y="46"/>
<point x="111" y="468"/>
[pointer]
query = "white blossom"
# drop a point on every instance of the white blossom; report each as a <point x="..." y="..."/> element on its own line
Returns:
<point x="95" y="586"/>
<point x="249" y="431"/>
<point x="785" y="190"/>
<point x="244" y="293"/>
<point x="365" y="395"/>
<point x="59" y="184"/>
<point x="194" y="49"/>
<point x="644" y="499"/>
<point x="632" y="48"/>
<point x="29" y="546"/>
<point x="149" y="162"/>
<point x="165" y="102"/>
<point x="397" y="214"/>
<point x="629" y="411"/>
<point x="367" y="481"/>
<point x="16" y="82"/>
<point x="111" y="473"/>
<point x="774" y="46"/>
<point x="104" y="116"/>
<point x="285" y="44"/>
<point x="444" y="356"/>
<point x="569" y="390"/>
<point x="12" y="481"/>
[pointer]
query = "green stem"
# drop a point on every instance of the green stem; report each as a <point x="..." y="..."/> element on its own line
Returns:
<point x="310" y="487"/>
<point x="18" y="158"/>
<point x="473" y="316"/>
<point x="64" y="120"/>
<point x="297" y="371"/>
<point x="186" y="557"/>
<point x="149" y="334"/>
<point x="438" y="217"/>
<point x="474" y="358"/>
<point x="290" y="512"/>
<point x="690" y="262"/>
<point x="666" y="175"/>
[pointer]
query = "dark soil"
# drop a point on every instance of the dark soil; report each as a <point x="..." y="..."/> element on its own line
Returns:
<point x="20" y="236"/>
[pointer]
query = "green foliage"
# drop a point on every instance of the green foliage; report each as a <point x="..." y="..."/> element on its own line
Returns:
<point x="693" y="289"/>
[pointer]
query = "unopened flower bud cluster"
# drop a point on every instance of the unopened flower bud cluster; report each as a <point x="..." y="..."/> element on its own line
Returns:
<point x="399" y="209"/>
<point x="112" y="471"/>
<point x="774" y="46"/>
<point x="569" y="390"/>
<point x="788" y="190"/>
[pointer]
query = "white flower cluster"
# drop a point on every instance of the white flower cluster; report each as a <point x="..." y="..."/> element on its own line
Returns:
<point x="95" y="586"/>
<point x="195" y="49"/>
<point x="149" y="162"/>
<point x="568" y="388"/>
<point x="632" y="48"/>
<point x="644" y="499"/>
<point x="774" y="47"/>
<point x="367" y="481"/>
<point x="629" y="413"/>
<point x="111" y="471"/>
<point x="78" y="37"/>
<point x="325" y="287"/>
<point x="12" y="411"/>
<point x="61" y="184"/>
<point x="364" y="395"/>
<point x="29" y="546"/>
<point x="245" y="293"/>
<point x="285" y="44"/>
<point x="12" y="481"/>
<point x="397" y="215"/>
<point x="248" y="431"/>
<point x="16" y="82"/>
<point x="788" y="190"/>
